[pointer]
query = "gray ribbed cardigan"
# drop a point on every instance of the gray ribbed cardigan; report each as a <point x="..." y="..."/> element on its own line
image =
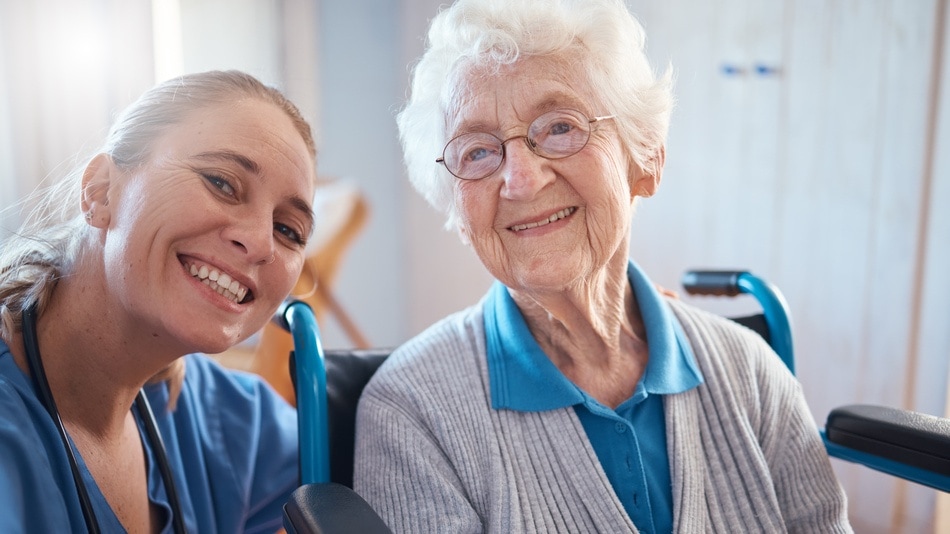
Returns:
<point x="433" y="456"/>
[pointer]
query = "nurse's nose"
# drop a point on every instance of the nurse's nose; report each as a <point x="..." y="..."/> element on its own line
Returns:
<point x="254" y="238"/>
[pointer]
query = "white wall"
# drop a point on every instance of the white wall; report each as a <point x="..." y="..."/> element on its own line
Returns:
<point x="404" y="271"/>
<point x="815" y="176"/>
<point x="360" y="65"/>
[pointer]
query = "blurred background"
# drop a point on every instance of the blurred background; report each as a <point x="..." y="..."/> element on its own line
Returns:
<point x="810" y="144"/>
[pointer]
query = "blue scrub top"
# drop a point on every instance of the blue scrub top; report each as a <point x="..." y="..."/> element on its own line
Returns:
<point x="630" y="441"/>
<point x="231" y="443"/>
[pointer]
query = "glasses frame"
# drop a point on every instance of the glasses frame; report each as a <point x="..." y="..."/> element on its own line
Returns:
<point x="528" y="141"/>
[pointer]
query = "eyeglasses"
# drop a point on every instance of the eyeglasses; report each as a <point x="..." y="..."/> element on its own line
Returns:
<point x="554" y="135"/>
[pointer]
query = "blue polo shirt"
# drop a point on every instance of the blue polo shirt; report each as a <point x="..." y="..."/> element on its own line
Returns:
<point x="630" y="441"/>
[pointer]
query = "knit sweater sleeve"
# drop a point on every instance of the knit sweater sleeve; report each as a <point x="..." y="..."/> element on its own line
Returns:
<point x="405" y="475"/>
<point x="406" y="468"/>
<point x="802" y="475"/>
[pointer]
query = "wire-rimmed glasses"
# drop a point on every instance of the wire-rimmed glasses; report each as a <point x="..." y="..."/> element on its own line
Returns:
<point x="554" y="135"/>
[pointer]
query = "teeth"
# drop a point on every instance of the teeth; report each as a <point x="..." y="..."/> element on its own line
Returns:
<point x="557" y="216"/>
<point x="221" y="283"/>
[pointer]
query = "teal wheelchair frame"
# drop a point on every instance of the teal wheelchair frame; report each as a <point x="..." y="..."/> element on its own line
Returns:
<point x="906" y="444"/>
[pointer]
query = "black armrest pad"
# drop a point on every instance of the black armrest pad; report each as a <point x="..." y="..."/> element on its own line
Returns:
<point x="912" y="438"/>
<point x="330" y="508"/>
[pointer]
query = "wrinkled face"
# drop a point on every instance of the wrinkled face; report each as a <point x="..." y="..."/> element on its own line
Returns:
<point x="207" y="238"/>
<point x="540" y="224"/>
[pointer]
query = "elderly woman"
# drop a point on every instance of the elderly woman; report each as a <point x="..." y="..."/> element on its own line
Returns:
<point x="573" y="397"/>
<point x="183" y="235"/>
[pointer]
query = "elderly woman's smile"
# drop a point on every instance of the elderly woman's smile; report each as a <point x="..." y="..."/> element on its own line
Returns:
<point x="543" y="221"/>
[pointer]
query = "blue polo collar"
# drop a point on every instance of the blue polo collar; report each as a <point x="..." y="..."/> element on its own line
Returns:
<point x="523" y="378"/>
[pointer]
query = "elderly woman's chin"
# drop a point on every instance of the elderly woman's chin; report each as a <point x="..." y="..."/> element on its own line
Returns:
<point x="545" y="272"/>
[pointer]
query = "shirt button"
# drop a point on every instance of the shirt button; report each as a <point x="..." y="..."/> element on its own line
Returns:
<point x="621" y="428"/>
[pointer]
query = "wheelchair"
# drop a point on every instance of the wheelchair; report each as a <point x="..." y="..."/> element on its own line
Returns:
<point x="902" y="443"/>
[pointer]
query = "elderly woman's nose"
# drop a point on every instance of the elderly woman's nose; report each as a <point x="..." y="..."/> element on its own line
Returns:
<point x="523" y="172"/>
<point x="253" y="235"/>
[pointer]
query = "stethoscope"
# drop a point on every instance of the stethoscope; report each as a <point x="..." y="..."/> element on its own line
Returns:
<point x="41" y="385"/>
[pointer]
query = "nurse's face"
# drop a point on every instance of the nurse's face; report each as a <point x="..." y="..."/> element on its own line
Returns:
<point x="205" y="240"/>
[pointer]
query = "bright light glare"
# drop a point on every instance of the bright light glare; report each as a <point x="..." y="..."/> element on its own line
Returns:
<point x="78" y="49"/>
<point x="166" y="29"/>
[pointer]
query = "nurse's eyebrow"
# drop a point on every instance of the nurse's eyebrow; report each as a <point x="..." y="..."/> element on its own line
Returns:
<point x="305" y="209"/>
<point x="227" y="155"/>
<point x="299" y="204"/>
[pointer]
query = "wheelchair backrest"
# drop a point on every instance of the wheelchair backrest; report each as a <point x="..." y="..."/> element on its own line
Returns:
<point x="348" y="371"/>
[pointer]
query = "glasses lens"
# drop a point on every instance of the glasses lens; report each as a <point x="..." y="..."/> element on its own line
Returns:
<point x="473" y="155"/>
<point x="559" y="134"/>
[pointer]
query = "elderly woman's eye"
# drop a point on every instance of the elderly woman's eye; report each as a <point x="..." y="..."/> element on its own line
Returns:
<point x="220" y="183"/>
<point x="477" y="154"/>
<point x="560" y="128"/>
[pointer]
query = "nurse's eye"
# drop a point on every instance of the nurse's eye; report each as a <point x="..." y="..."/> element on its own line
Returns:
<point x="220" y="184"/>
<point x="290" y="234"/>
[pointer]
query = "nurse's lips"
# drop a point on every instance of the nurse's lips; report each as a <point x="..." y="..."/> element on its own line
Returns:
<point x="223" y="283"/>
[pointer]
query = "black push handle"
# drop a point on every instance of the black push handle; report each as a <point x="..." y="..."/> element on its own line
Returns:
<point x="712" y="282"/>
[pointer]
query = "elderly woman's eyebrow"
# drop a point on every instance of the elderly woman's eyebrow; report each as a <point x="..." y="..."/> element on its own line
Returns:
<point x="229" y="155"/>
<point x="557" y="100"/>
<point x="552" y="101"/>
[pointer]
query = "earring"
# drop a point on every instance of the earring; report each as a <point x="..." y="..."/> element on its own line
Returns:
<point x="308" y="294"/>
<point x="88" y="216"/>
<point x="308" y="271"/>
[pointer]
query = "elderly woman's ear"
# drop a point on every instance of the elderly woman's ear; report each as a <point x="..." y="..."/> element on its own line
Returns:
<point x="463" y="234"/>
<point x="646" y="180"/>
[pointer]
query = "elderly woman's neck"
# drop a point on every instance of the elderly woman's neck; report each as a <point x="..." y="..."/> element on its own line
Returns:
<point x="593" y="333"/>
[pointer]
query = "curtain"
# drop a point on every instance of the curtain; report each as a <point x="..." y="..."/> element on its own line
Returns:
<point x="66" y="68"/>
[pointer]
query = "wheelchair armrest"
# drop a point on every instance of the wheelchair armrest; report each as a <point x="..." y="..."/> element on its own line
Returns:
<point x="328" y="508"/>
<point x="912" y="438"/>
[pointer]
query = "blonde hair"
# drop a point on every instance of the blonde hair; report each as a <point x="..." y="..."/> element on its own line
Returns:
<point x="45" y="247"/>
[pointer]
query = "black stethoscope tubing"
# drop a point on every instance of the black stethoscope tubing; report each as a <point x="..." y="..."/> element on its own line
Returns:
<point x="41" y="385"/>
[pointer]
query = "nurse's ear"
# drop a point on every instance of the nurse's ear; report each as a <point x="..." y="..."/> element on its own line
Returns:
<point x="647" y="180"/>
<point x="98" y="185"/>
